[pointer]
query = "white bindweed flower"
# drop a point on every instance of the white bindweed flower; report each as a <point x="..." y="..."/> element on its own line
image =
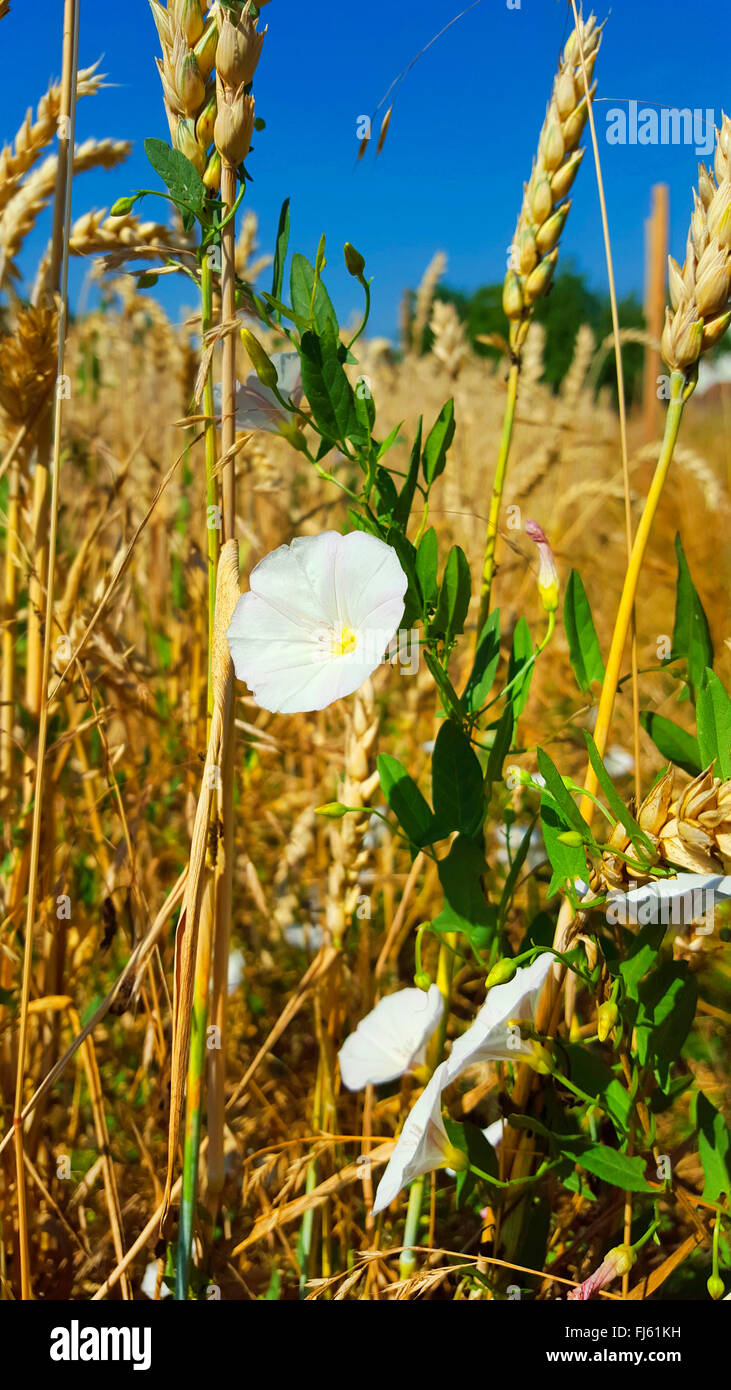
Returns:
<point x="423" y="1144"/>
<point x="257" y="407"/>
<point x="390" y="1039"/>
<point x="148" y="1282"/>
<point x="317" y="619"/>
<point x="680" y="900"/>
<point x="495" y="1034"/>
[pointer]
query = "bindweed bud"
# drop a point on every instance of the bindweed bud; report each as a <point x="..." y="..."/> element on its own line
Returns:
<point x="715" y="1286"/>
<point x="623" y="1257"/>
<point x="606" y="1019"/>
<point x="572" y="838"/>
<point x="332" y="810"/>
<point x="422" y="979"/>
<point x="502" y="971"/>
<point x="547" y="572"/>
<point x="264" y="368"/>
<point x="354" y="262"/>
<point x="123" y="206"/>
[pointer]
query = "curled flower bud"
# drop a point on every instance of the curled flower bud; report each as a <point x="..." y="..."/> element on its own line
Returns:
<point x="354" y="262"/>
<point x="606" y="1019"/>
<point x="547" y="572"/>
<point x="616" y="1263"/>
<point x="502" y="971"/>
<point x="264" y="368"/>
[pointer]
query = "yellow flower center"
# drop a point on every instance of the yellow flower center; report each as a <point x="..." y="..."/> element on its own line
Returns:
<point x="343" y="643"/>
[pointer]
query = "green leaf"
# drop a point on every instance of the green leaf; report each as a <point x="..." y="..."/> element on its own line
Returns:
<point x="584" y="651"/>
<point x="326" y="386"/>
<point x="466" y="907"/>
<point x="390" y="440"/>
<point x="673" y="742"/>
<point x="521" y="658"/>
<point x="667" y="1001"/>
<point x="438" y="441"/>
<point x="454" y="597"/>
<point x="567" y="861"/>
<point x="562" y="797"/>
<point x="504" y="729"/>
<point x="512" y="878"/>
<point x="181" y="177"/>
<point x="714" y="1147"/>
<point x="280" y="251"/>
<point x="403" y="511"/>
<point x="427" y="561"/>
<point x="284" y="311"/>
<point x="621" y="1170"/>
<point x="643" y="952"/>
<point x="487" y="660"/>
<point x="407" y="557"/>
<point x="713" y="713"/>
<point x="592" y="1075"/>
<point x="457" y="788"/>
<point x="410" y="808"/>
<point x="616" y="804"/>
<point x="309" y="297"/>
<point x="691" y="633"/>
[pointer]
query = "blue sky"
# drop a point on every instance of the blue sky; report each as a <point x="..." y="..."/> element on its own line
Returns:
<point x="462" y="136"/>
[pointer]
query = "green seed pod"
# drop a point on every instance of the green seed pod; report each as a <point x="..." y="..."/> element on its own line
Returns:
<point x="354" y="262"/>
<point x="502" y="971"/>
<point x="606" y="1019"/>
<point x="264" y="368"/>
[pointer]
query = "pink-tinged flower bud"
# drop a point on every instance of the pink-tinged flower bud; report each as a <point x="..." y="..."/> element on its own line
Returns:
<point x="616" y="1263"/>
<point x="547" y="572"/>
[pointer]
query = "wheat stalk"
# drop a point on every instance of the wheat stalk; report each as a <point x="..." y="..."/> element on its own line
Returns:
<point x="21" y="154"/>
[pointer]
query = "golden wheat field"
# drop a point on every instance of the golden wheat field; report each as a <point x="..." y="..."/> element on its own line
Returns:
<point x="364" y="926"/>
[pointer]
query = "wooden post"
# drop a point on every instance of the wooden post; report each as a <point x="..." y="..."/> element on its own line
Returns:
<point x="656" y="250"/>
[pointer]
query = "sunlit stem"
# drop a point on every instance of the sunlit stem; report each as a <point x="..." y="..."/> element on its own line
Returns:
<point x="488" y="563"/>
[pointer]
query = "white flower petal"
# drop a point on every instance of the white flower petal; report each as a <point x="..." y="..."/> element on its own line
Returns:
<point x="494" y="1132"/>
<point x="681" y="899"/>
<point x="489" y="1039"/>
<point x="387" y="1041"/>
<point x="422" y="1144"/>
<point x="302" y="638"/>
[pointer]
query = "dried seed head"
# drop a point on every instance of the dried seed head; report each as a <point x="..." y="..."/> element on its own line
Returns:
<point x="186" y="142"/>
<point x="189" y="16"/>
<point x="234" y="126"/>
<point x="541" y="219"/>
<point x="239" y="49"/>
<point x="205" y="49"/>
<point x="700" y="294"/>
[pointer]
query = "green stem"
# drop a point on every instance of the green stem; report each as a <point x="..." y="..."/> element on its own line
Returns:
<point x="196" y="1060"/>
<point x="407" y="1262"/>
<point x="488" y="564"/>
